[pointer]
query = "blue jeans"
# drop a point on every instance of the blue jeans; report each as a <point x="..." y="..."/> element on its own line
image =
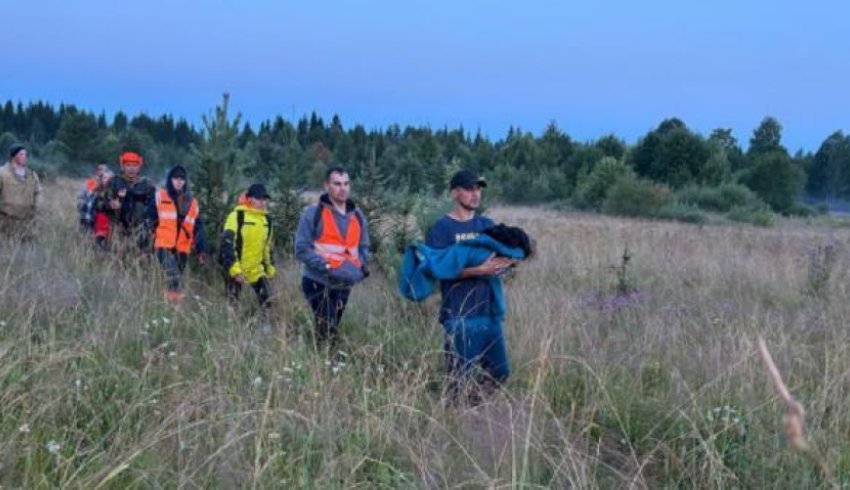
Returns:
<point x="476" y="342"/>
<point x="328" y="305"/>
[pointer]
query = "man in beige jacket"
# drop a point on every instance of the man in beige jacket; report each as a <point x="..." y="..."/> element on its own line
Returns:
<point x="19" y="194"/>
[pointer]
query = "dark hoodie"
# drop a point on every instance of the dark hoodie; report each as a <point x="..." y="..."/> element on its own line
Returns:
<point x="310" y="228"/>
<point x="183" y="200"/>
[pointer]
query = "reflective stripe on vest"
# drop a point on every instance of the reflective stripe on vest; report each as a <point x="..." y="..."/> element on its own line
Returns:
<point x="167" y="235"/>
<point x="332" y="247"/>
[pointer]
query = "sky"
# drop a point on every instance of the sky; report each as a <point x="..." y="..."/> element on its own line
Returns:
<point x="595" y="68"/>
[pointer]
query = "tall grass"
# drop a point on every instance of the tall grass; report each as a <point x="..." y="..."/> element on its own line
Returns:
<point x="104" y="385"/>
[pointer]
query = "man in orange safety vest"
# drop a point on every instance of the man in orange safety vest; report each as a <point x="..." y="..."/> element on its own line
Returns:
<point x="332" y="242"/>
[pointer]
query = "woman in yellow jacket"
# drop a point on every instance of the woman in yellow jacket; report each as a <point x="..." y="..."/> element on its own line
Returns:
<point x="246" y="246"/>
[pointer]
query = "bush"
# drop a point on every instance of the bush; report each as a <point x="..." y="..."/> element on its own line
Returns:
<point x="682" y="212"/>
<point x="720" y="199"/>
<point x="776" y="179"/>
<point x="46" y="173"/>
<point x="760" y="216"/>
<point x="632" y="196"/>
<point x="802" y="210"/>
<point x="593" y="187"/>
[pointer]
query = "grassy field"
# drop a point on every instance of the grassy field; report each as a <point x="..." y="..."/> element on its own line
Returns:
<point x="627" y="374"/>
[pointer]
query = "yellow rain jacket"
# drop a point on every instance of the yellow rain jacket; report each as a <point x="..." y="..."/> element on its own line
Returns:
<point x="247" y="249"/>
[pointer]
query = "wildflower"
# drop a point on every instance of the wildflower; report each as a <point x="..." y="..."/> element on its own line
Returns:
<point x="154" y="322"/>
<point x="2" y="323"/>
<point x="165" y="321"/>
<point x="24" y="429"/>
<point x="274" y="436"/>
<point x="78" y="383"/>
<point x="172" y="354"/>
<point x="258" y="381"/>
<point x="288" y="370"/>
<point x="52" y="447"/>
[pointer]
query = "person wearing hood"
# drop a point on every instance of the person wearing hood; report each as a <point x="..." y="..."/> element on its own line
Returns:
<point x="174" y="220"/>
<point x="246" y="246"/>
<point x="332" y="242"/>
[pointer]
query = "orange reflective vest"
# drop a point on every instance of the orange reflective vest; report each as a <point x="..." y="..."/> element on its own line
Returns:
<point x="335" y="248"/>
<point x="167" y="234"/>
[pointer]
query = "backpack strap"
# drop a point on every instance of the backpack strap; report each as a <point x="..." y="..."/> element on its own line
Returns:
<point x="240" y="220"/>
<point x="317" y="218"/>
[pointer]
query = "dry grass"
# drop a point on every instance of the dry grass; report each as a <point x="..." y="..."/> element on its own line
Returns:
<point x="102" y="384"/>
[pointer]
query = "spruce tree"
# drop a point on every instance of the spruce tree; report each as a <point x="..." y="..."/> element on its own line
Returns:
<point x="217" y="168"/>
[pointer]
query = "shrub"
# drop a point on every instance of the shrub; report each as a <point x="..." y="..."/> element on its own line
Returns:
<point x="682" y="212"/>
<point x="720" y="199"/>
<point x="802" y="210"/>
<point x="632" y="196"/>
<point x="593" y="187"/>
<point x="760" y="216"/>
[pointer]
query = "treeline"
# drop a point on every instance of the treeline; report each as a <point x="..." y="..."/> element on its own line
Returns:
<point x="672" y="170"/>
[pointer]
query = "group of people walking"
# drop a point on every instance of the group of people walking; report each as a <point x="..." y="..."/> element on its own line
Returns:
<point x="464" y="252"/>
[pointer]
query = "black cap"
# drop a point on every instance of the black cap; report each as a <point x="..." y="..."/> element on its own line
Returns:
<point x="467" y="179"/>
<point x="15" y="149"/>
<point x="257" y="191"/>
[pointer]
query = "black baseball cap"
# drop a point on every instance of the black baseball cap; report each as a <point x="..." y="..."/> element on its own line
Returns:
<point x="467" y="179"/>
<point x="258" y="191"/>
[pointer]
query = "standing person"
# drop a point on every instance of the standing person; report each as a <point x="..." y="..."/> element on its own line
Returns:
<point x="469" y="312"/>
<point x="86" y="199"/>
<point x="332" y="241"/>
<point x="246" y="246"/>
<point x="101" y="222"/>
<point x="174" y="220"/>
<point x="20" y="191"/>
<point x="130" y="196"/>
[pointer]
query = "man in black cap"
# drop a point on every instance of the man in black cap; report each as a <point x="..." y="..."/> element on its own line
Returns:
<point x="332" y="241"/>
<point x="246" y="246"/>
<point x="20" y="190"/>
<point x="468" y="311"/>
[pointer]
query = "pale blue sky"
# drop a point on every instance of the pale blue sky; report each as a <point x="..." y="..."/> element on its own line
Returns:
<point x="594" y="67"/>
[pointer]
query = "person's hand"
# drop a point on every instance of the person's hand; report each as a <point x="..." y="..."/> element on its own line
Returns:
<point x="114" y="203"/>
<point x="240" y="278"/>
<point x="202" y="258"/>
<point x="495" y="266"/>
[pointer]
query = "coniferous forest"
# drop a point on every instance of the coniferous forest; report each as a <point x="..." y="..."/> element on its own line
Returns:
<point x="672" y="172"/>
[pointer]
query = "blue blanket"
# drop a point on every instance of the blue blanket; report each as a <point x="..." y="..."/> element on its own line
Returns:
<point x="423" y="267"/>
